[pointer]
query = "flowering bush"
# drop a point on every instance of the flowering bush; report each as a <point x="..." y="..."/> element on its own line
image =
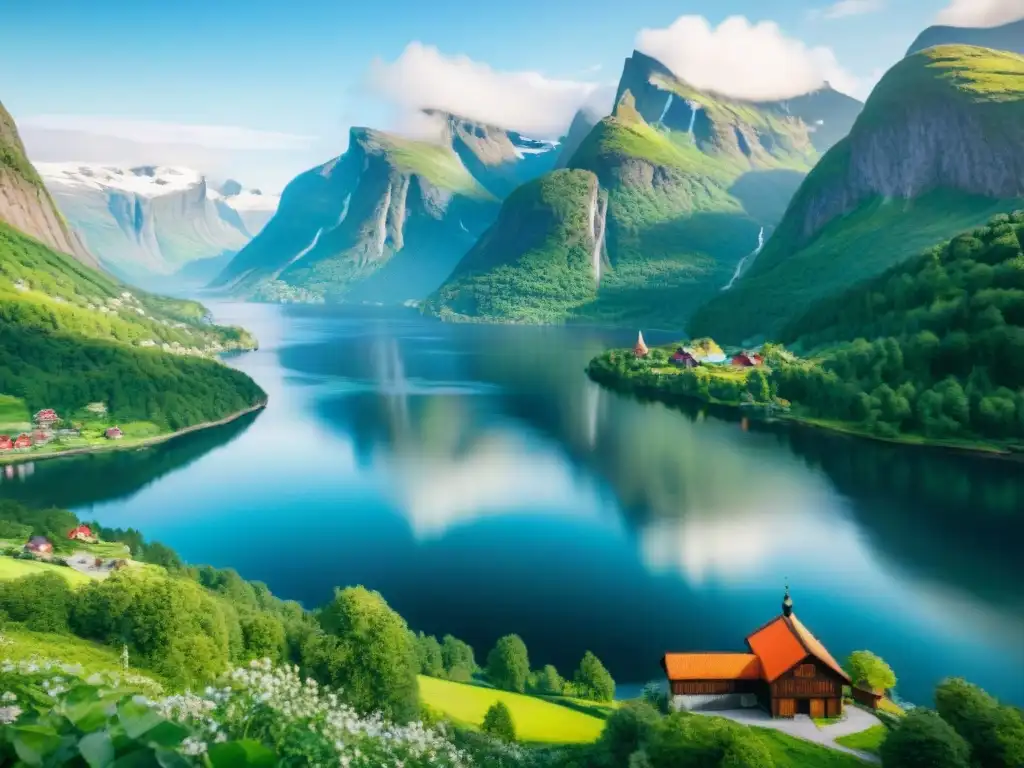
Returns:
<point x="50" y="714"/>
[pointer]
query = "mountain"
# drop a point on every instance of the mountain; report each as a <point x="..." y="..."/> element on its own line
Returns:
<point x="583" y="123"/>
<point x="938" y="149"/>
<point x="659" y="207"/>
<point x="24" y="201"/>
<point x="1008" y="37"/>
<point x="147" y="223"/>
<point x="388" y="220"/>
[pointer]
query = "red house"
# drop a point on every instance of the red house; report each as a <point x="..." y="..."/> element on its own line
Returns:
<point x="23" y="441"/>
<point x="39" y="545"/>
<point x="787" y="672"/>
<point x="747" y="360"/>
<point x="82" y="533"/>
<point x="46" y="417"/>
<point x="6" y="443"/>
<point x="114" y="433"/>
<point x="39" y="437"/>
<point x="684" y="359"/>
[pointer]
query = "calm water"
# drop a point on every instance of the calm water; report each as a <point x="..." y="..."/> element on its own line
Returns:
<point x="476" y="478"/>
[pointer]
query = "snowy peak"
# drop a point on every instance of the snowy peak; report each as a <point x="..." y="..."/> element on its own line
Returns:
<point x="144" y="180"/>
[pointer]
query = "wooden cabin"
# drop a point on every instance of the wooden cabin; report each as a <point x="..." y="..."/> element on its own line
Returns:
<point x="6" y="443"/>
<point x="46" y="417"/>
<point x="640" y="350"/>
<point x="867" y="697"/>
<point x="82" y="533"/>
<point x="39" y="545"/>
<point x="787" y="672"/>
<point x="747" y="360"/>
<point x="23" y="441"/>
<point x="114" y="433"/>
<point x="684" y="359"/>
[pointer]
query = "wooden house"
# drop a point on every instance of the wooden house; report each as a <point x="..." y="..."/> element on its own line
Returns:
<point x="82" y="533"/>
<point x="640" y="350"/>
<point x="747" y="360"/>
<point x="46" y="417"/>
<point x="6" y="443"/>
<point x="684" y="359"/>
<point x="23" y="441"/>
<point x="867" y="697"/>
<point x="113" y="433"/>
<point x="787" y="672"/>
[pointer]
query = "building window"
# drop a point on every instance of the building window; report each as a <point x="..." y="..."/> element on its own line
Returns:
<point x="805" y="670"/>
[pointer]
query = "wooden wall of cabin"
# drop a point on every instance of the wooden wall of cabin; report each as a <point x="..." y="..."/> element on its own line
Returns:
<point x="807" y="680"/>
<point x="715" y="687"/>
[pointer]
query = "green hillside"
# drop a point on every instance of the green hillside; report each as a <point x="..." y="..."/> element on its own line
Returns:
<point x="70" y="336"/>
<point x="888" y="191"/>
<point x="651" y="222"/>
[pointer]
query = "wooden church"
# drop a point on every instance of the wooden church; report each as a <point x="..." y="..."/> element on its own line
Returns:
<point x="788" y="672"/>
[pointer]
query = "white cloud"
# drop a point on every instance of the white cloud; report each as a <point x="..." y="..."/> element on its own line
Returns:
<point x="423" y="77"/>
<point x="744" y="60"/>
<point x="155" y="132"/>
<point x="845" y="8"/>
<point x="981" y="13"/>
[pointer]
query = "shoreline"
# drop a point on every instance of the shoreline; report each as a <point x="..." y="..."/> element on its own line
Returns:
<point x="121" y="445"/>
<point x="978" y="450"/>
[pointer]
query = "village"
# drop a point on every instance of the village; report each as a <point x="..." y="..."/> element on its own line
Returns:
<point x="83" y="553"/>
<point x="49" y="428"/>
<point x="703" y="352"/>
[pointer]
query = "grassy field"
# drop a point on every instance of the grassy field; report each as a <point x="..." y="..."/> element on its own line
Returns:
<point x="14" y="413"/>
<point x="865" y="741"/>
<point x="10" y="568"/>
<point x="537" y="720"/>
<point x="790" y="752"/>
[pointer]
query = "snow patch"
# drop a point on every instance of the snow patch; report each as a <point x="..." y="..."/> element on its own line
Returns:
<point x="145" y="180"/>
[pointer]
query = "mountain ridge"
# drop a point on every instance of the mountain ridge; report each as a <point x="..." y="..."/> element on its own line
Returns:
<point x="1006" y="37"/>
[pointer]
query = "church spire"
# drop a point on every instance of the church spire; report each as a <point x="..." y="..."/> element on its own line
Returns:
<point x="640" y="350"/>
<point x="787" y="603"/>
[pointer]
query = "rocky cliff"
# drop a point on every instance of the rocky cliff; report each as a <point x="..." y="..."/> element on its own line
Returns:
<point x="939" y="148"/>
<point x="24" y="202"/>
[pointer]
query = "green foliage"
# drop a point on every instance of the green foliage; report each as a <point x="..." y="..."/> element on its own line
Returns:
<point x="705" y="742"/>
<point x="592" y="681"/>
<point x="508" y="664"/>
<point x="53" y="524"/>
<point x="428" y="652"/>
<point x="368" y="653"/>
<point x="263" y="637"/>
<point x="547" y="681"/>
<point x="498" y="722"/>
<point x="870" y="671"/>
<point x="869" y="740"/>
<point x="41" y="602"/>
<point x="922" y="739"/>
<point x="994" y="732"/>
<point x="627" y="730"/>
<point x="12" y="151"/>
<point x="457" y="657"/>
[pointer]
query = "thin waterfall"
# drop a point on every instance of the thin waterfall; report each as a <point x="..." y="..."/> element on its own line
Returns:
<point x="745" y="259"/>
<point x="694" y="109"/>
<point x="668" y="103"/>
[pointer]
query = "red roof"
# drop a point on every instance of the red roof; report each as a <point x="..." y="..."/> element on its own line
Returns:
<point x="711" y="666"/>
<point x="82" y="529"/>
<point x="783" y="643"/>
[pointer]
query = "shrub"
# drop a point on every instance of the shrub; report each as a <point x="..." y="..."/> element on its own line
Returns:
<point x="457" y="657"/>
<point x="924" y="740"/>
<point x="508" y="664"/>
<point x="428" y="653"/>
<point x="42" y="602"/>
<point x="498" y="722"/>
<point x="683" y="739"/>
<point x="870" y="671"/>
<point x="593" y="681"/>
<point x="994" y="732"/>
<point x="627" y="730"/>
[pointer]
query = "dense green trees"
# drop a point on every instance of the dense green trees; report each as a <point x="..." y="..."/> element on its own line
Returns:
<point x="498" y="722"/>
<point x="922" y="739"/>
<point x="994" y="732"/>
<point x="546" y="681"/>
<point x="508" y="664"/>
<point x="592" y="680"/>
<point x="627" y="730"/>
<point x="870" y="671"/>
<point x="42" y="602"/>
<point x="428" y="653"/>
<point x="459" y="661"/>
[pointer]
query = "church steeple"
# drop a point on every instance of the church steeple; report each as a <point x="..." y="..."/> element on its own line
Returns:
<point x="787" y="603"/>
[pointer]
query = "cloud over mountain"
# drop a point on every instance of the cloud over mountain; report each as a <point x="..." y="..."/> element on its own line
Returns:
<point x="743" y="59"/>
<point x="423" y="77"/>
<point x="981" y="13"/>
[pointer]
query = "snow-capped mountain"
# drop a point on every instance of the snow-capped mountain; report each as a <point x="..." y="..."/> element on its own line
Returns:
<point x="149" y="223"/>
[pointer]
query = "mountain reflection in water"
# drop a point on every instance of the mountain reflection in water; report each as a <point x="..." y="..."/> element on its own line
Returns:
<point x="480" y="481"/>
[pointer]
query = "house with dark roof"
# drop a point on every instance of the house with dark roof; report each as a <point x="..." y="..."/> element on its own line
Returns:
<point x="684" y="359"/>
<point x="39" y="545"/>
<point x="787" y="672"/>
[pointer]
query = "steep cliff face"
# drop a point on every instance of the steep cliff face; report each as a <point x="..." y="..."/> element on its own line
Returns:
<point x="24" y="202"/>
<point x="1006" y="37"/>
<point x="939" y="148"/>
<point x="385" y="222"/>
<point x="147" y="224"/>
<point x="583" y="123"/>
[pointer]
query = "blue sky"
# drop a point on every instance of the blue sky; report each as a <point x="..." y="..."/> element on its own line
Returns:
<point x="74" y="73"/>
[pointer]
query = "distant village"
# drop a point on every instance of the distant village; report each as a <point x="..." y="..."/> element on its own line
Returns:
<point x="48" y="426"/>
<point x="84" y="561"/>
<point x="703" y="352"/>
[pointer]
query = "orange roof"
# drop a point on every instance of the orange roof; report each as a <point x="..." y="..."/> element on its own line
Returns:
<point x="783" y="643"/>
<point x="711" y="666"/>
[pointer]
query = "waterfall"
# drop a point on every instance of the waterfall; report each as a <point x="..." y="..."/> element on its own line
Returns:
<point x="598" y="213"/>
<point x="745" y="259"/>
<point x="694" y="109"/>
<point x="308" y="248"/>
<point x="382" y="224"/>
<point x="668" y="103"/>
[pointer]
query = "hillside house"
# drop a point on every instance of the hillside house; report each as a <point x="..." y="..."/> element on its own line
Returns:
<point x="640" y="350"/>
<point x="41" y="437"/>
<point x="23" y="441"/>
<point x="684" y="359"/>
<point x="747" y="360"/>
<point x="39" y="545"/>
<point x="868" y="697"/>
<point x="113" y="433"/>
<point x="46" y="417"/>
<point x="787" y="672"/>
<point x="82" y="533"/>
<point x="6" y="444"/>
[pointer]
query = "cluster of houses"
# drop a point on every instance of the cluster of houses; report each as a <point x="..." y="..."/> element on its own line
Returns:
<point x="693" y="357"/>
<point x="40" y="546"/>
<point x="46" y="429"/>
